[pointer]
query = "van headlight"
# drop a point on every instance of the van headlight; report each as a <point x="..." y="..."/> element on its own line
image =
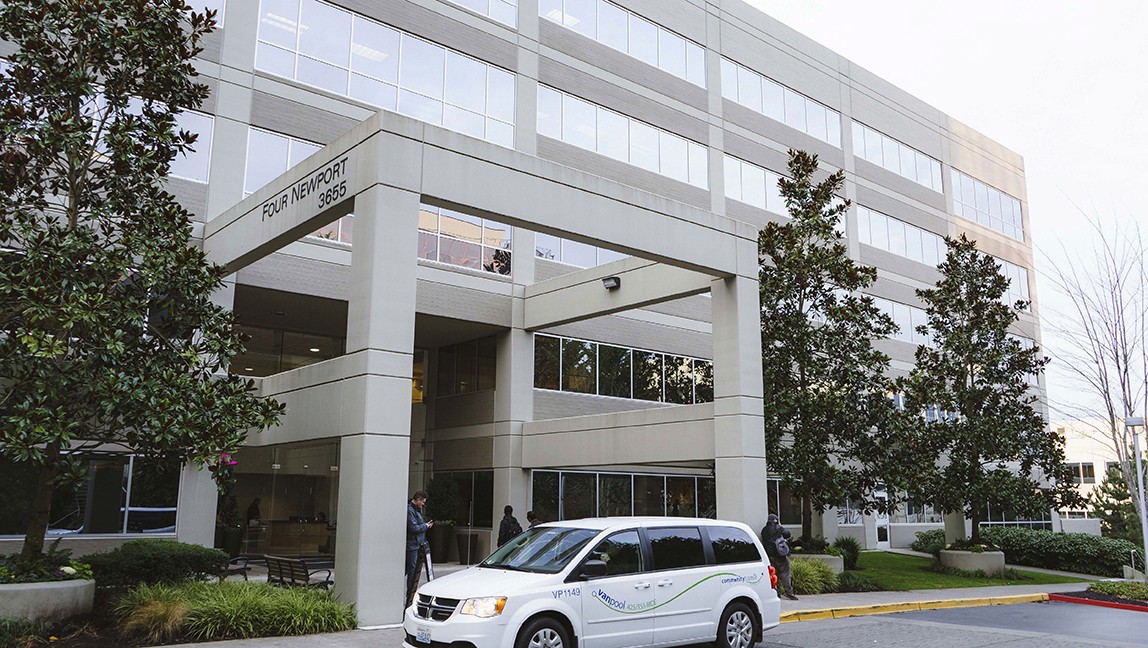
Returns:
<point x="485" y="607"/>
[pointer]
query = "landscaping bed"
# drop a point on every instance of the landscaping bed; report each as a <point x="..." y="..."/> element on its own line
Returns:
<point x="1104" y="598"/>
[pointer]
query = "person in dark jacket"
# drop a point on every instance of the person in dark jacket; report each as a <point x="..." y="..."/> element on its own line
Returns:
<point x="416" y="536"/>
<point x="769" y="535"/>
<point x="509" y="527"/>
<point x="532" y="519"/>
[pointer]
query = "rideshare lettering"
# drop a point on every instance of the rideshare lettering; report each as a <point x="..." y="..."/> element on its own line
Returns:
<point x="329" y="182"/>
<point x="568" y="592"/>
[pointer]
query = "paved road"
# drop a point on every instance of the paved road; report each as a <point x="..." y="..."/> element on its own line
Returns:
<point x="1032" y="625"/>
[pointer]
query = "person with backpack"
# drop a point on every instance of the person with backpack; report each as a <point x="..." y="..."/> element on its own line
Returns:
<point x="509" y="527"/>
<point x="776" y="540"/>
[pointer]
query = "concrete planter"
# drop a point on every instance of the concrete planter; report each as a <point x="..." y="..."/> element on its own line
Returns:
<point x="990" y="562"/>
<point x="836" y="563"/>
<point x="46" y="601"/>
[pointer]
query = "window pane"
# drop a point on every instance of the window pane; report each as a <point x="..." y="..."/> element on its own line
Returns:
<point x="699" y="165"/>
<point x="579" y="371"/>
<point x="753" y="185"/>
<point x="913" y="243"/>
<point x="546" y="363"/>
<point x="420" y="107"/>
<point x="581" y="17"/>
<point x="153" y="496"/>
<point x="465" y="82"/>
<point x="674" y="155"/>
<point x="579" y="254"/>
<point x="549" y="113"/>
<point x="863" y="233"/>
<point x="732" y="545"/>
<point x="896" y="237"/>
<point x="466" y="368"/>
<point x="695" y="64"/>
<point x="815" y="120"/>
<point x="704" y="381"/>
<point x="461" y="226"/>
<point x="487" y="361"/>
<point x="275" y="60"/>
<point x="675" y="548"/>
<point x="544" y="494"/>
<point x="773" y="100"/>
<point x="707" y="498"/>
<point x="924" y="174"/>
<point x="325" y="33"/>
<point x="300" y="151"/>
<point x="643" y="40"/>
<point x="500" y="94"/>
<point x="579" y="495"/>
<point x="671" y="53"/>
<point x="612" y="26"/>
<point x="879" y="229"/>
<point x="748" y="89"/>
<point x="647" y="376"/>
<point x="729" y="79"/>
<point x="679" y="380"/>
<point x="622" y="553"/>
<point x="794" y="110"/>
<point x="579" y="123"/>
<point x="644" y="146"/>
<point x="873" y="146"/>
<point x="858" y="140"/>
<point x="421" y="67"/>
<point x="613" y="135"/>
<point x="321" y="75"/>
<point x="375" y="50"/>
<point x="280" y="22"/>
<point x="446" y="362"/>
<point x="891" y="154"/>
<point x="613" y="371"/>
<point x="649" y="495"/>
<point x="732" y="171"/>
<point x="374" y="92"/>
<point x="460" y="253"/>
<point x="464" y="121"/>
<point x="266" y="158"/>
<point x="547" y="246"/>
<point x="499" y="133"/>
<point x="615" y="495"/>
<point x="194" y="164"/>
<point x="680" y="497"/>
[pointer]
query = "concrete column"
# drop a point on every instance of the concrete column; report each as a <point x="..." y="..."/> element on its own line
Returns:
<point x="739" y="440"/>
<point x="513" y="405"/>
<point x="374" y="464"/>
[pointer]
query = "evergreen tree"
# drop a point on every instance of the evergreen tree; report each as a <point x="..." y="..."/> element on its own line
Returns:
<point x="1112" y="504"/>
<point x="989" y="444"/>
<point x="826" y="396"/>
<point x="108" y="335"/>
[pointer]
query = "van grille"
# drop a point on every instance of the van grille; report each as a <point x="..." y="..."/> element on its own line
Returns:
<point x="435" y="608"/>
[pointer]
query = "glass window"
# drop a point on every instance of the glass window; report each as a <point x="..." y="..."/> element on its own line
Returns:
<point x="874" y="149"/>
<point x="753" y="185"/>
<point x="579" y="366"/>
<point x="613" y="26"/>
<point x="579" y="254"/>
<point x="674" y="548"/>
<point x="544" y="493"/>
<point x="891" y="155"/>
<point x="279" y="23"/>
<point x="671" y="53"/>
<point x="681" y="497"/>
<point x="421" y="67"/>
<point x="622" y="553"/>
<point x="266" y="158"/>
<point x="643" y="40"/>
<point x="674" y="156"/>
<point x="579" y="123"/>
<point x="795" y="110"/>
<point x="613" y="135"/>
<point x="374" y="92"/>
<point x="549" y="113"/>
<point x="649" y="495"/>
<point x="896" y="236"/>
<point x="375" y="51"/>
<point x="815" y="120"/>
<point x="614" y="371"/>
<point x="704" y="377"/>
<point x="542" y="550"/>
<point x="863" y="233"/>
<point x="615" y="495"/>
<point x="325" y="33"/>
<point x="547" y="363"/>
<point x="321" y="75"/>
<point x="879" y="230"/>
<point x="732" y="173"/>
<point x="679" y="380"/>
<point x="194" y="164"/>
<point x="644" y="146"/>
<point x="773" y="100"/>
<point x="913" y="243"/>
<point x="466" y="367"/>
<point x="466" y="83"/>
<point x="581" y="17"/>
<point x="579" y="495"/>
<point x="732" y="545"/>
<point x="729" y="75"/>
<point x="487" y="361"/>
<point x="275" y="60"/>
<point x="707" y="498"/>
<point x="699" y="165"/>
<point x="500" y="95"/>
<point x="420" y="107"/>
<point x="695" y="64"/>
<point x="748" y="89"/>
<point x="647" y="376"/>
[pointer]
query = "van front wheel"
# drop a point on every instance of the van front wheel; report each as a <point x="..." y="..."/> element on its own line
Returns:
<point x="543" y="632"/>
<point x="737" y="627"/>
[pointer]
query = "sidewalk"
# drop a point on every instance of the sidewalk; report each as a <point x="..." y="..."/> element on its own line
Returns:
<point x="808" y="608"/>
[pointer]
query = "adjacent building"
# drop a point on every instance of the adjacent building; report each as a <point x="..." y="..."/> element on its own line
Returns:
<point x="511" y="245"/>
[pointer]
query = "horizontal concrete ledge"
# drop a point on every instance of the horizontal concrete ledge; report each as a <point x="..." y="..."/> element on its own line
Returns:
<point x="913" y="606"/>
<point x="47" y="601"/>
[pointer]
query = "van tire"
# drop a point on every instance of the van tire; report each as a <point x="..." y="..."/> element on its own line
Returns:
<point x="543" y="632"/>
<point x="738" y="627"/>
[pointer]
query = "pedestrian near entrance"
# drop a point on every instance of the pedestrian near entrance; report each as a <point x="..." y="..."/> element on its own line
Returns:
<point x="776" y="540"/>
<point x="532" y="519"/>
<point x="416" y="537"/>
<point x="509" y="527"/>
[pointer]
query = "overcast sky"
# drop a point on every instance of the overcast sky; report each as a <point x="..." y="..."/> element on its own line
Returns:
<point x="1064" y="84"/>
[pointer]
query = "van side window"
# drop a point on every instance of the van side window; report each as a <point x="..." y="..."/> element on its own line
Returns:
<point x="676" y="547"/>
<point x="732" y="545"/>
<point x="622" y="553"/>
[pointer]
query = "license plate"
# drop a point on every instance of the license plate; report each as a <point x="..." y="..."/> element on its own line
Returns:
<point x="422" y="634"/>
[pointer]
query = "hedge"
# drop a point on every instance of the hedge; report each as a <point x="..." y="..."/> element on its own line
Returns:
<point x="153" y="561"/>
<point x="1081" y="553"/>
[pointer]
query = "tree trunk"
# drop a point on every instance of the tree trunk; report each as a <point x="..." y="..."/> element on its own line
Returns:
<point x="40" y="508"/>
<point x="975" y="536"/>
<point x="806" y="517"/>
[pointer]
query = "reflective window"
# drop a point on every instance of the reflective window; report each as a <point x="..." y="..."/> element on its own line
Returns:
<point x="978" y="202"/>
<point x="449" y="236"/>
<point x="675" y="548"/>
<point x="622" y="553"/>
<point x="466" y="367"/>
<point x="766" y="96"/>
<point x="347" y="54"/>
<point x="902" y="159"/>
<point x="900" y="238"/>
<point x="582" y="255"/>
<point x="732" y="545"/>
<point x="907" y="318"/>
<point x="1018" y="282"/>
<point x="753" y="185"/>
<point x="194" y="164"/>
<point x="591" y="368"/>
<point x="628" y="32"/>
<point x="594" y="128"/>
<point x="503" y="11"/>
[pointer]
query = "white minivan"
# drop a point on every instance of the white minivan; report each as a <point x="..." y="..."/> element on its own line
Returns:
<point x="605" y="582"/>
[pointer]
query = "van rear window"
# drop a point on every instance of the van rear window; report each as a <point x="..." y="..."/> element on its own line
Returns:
<point x="676" y="547"/>
<point x="732" y="545"/>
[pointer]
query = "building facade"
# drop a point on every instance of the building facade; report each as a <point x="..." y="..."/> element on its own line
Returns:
<point x="511" y="245"/>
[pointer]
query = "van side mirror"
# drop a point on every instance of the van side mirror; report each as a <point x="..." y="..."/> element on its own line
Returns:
<point x="593" y="569"/>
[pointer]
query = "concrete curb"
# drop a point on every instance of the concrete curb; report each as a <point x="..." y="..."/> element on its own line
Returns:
<point x="891" y="608"/>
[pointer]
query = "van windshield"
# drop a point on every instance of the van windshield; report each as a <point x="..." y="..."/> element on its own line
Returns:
<point x="543" y="550"/>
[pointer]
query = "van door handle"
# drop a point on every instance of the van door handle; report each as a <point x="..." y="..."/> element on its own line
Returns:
<point x="664" y="582"/>
<point x="644" y="585"/>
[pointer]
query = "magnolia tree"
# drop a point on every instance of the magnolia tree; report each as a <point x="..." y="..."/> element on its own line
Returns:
<point x="826" y="396"/>
<point x="990" y="446"/>
<point x="109" y="336"/>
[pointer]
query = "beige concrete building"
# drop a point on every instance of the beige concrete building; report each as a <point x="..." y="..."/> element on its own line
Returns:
<point x="512" y="244"/>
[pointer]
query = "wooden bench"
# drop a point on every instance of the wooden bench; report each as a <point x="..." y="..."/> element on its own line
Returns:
<point x="293" y="572"/>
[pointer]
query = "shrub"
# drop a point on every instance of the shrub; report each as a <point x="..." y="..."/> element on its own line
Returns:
<point x="207" y="611"/>
<point x="53" y="565"/>
<point x="21" y="633"/>
<point x="854" y="582"/>
<point x="1075" y="552"/>
<point x="965" y="544"/>
<point x="812" y="577"/>
<point x="930" y="542"/>
<point x="152" y="561"/>
<point x="1123" y="589"/>
<point x="850" y="549"/>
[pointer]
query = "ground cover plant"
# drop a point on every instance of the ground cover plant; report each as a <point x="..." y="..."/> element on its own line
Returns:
<point x="899" y="572"/>
<point x="812" y="576"/>
<point x="1122" y="589"/>
<point x="207" y="611"/>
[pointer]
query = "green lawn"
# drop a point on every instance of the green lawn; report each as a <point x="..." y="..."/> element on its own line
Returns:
<point x="898" y="572"/>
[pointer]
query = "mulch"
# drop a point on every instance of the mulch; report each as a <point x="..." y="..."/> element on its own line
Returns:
<point x="1100" y="598"/>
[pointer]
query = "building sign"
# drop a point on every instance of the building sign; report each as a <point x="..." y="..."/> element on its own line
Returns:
<point x="329" y="183"/>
